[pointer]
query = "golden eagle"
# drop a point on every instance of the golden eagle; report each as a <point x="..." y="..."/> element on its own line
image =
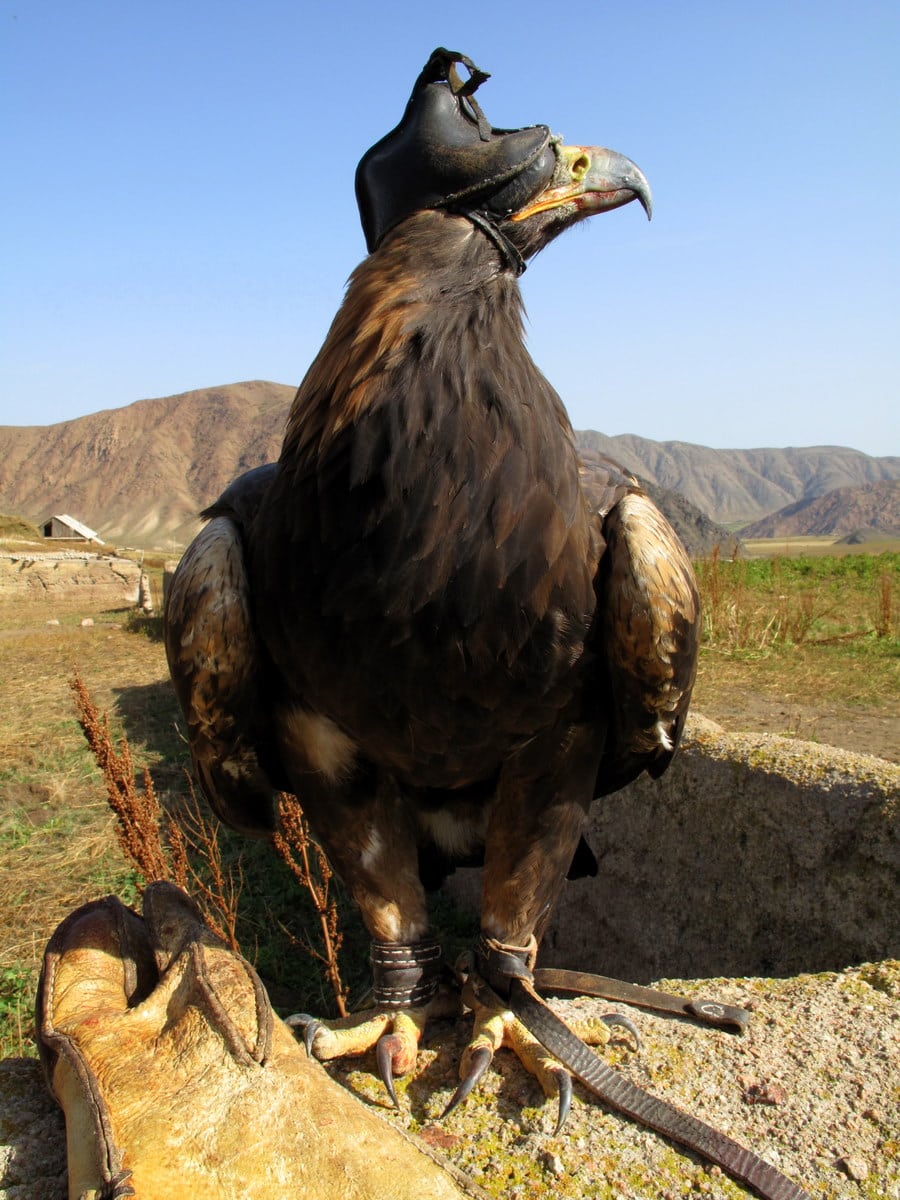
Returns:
<point x="428" y="619"/>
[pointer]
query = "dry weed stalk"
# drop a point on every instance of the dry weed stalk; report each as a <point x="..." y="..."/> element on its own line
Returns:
<point x="216" y="889"/>
<point x="140" y="822"/>
<point x="163" y="846"/>
<point x="884" y="622"/>
<point x="710" y="578"/>
<point x="296" y="847"/>
<point x="136" y="810"/>
<point x="735" y="620"/>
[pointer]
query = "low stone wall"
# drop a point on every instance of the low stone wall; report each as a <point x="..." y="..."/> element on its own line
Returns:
<point x="753" y="855"/>
<point x="32" y="1135"/>
<point x="68" y="575"/>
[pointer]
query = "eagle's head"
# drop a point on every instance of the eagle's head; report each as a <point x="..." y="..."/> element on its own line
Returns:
<point x="521" y="186"/>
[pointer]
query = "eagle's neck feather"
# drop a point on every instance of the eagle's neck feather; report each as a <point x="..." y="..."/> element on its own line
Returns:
<point x="436" y="301"/>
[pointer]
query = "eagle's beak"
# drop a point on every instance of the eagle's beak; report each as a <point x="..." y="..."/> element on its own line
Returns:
<point x="594" y="180"/>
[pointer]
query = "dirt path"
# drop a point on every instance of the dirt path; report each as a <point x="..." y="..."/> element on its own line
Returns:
<point x="864" y="731"/>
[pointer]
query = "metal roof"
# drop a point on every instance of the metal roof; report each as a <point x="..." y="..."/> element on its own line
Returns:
<point x="78" y="527"/>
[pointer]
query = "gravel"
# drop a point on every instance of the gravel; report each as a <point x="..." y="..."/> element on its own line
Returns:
<point x="813" y="1086"/>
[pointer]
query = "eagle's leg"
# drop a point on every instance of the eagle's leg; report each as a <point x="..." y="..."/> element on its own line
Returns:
<point x="495" y="1027"/>
<point x="370" y="841"/>
<point x="533" y="832"/>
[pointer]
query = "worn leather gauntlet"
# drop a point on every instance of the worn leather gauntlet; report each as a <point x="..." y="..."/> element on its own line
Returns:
<point x="178" y="1081"/>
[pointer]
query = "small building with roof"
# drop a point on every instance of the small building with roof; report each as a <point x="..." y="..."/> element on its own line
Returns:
<point x="63" y="527"/>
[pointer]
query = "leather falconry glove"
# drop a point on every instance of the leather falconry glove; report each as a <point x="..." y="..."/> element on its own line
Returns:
<point x="177" y="1080"/>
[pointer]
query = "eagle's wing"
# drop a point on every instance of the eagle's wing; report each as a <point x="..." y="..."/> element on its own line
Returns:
<point x="647" y="626"/>
<point x="218" y="667"/>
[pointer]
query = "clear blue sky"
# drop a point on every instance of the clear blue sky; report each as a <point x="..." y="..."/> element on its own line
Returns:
<point x="178" y="210"/>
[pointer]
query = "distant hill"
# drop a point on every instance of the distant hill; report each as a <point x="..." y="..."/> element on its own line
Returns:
<point x="737" y="486"/>
<point x="870" y="510"/>
<point x="18" y="529"/>
<point x="860" y="537"/>
<point x="698" y="532"/>
<point x="140" y="474"/>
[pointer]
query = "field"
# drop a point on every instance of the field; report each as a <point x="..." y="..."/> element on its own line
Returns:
<point x="815" y="547"/>
<point x="804" y="646"/>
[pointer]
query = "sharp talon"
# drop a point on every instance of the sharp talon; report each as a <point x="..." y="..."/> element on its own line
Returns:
<point x="298" y="1020"/>
<point x="615" y="1018"/>
<point x="308" y="1024"/>
<point x="564" y="1082"/>
<point x="479" y="1063"/>
<point x="309" y="1036"/>
<point x="384" y="1059"/>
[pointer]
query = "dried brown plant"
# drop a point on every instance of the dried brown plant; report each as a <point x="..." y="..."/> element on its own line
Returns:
<point x="306" y="860"/>
<point x="183" y="847"/>
<point x="160" y="845"/>
<point x="884" y="622"/>
<point x="194" y="839"/>
<point x="136" y="808"/>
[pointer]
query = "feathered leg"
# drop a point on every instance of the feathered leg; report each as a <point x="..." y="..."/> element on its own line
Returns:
<point x="370" y="841"/>
<point x="529" y="846"/>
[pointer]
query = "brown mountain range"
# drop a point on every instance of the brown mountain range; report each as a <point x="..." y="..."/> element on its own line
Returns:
<point x="846" y="510"/>
<point x="140" y="474"/>
<point x="738" y="486"/>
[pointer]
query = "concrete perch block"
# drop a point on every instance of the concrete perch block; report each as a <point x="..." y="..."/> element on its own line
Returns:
<point x="753" y="855"/>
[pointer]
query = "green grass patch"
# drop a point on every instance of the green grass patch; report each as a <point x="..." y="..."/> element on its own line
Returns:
<point x="755" y="605"/>
<point x="16" y="1010"/>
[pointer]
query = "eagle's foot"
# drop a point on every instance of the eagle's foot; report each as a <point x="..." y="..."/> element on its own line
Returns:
<point x="407" y="993"/>
<point x="347" y="1037"/>
<point x="497" y="1027"/>
<point x="394" y="1036"/>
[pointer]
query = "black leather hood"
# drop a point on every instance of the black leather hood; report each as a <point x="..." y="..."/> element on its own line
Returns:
<point x="445" y="154"/>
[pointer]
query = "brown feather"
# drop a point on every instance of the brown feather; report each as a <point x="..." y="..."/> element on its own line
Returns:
<point x="649" y="632"/>
<point x="214" y="664"/>
<point x="435" y="509"/>
<point x="432" y="622"/>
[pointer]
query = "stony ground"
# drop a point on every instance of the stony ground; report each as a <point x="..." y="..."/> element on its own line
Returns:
<point x="813" y="1086"/>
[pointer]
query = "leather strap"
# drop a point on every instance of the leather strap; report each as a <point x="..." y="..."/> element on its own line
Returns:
<point x="511" y="257"/>
<point x="511" y="968"/>
<point x="499" y="964"/>
<point x="712" y="1012"/>
<point x="620" y="1093"/>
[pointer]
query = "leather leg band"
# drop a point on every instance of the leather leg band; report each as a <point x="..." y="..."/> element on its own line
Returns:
<point x="405" y="975"/>
<point x="499" y="964"/>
